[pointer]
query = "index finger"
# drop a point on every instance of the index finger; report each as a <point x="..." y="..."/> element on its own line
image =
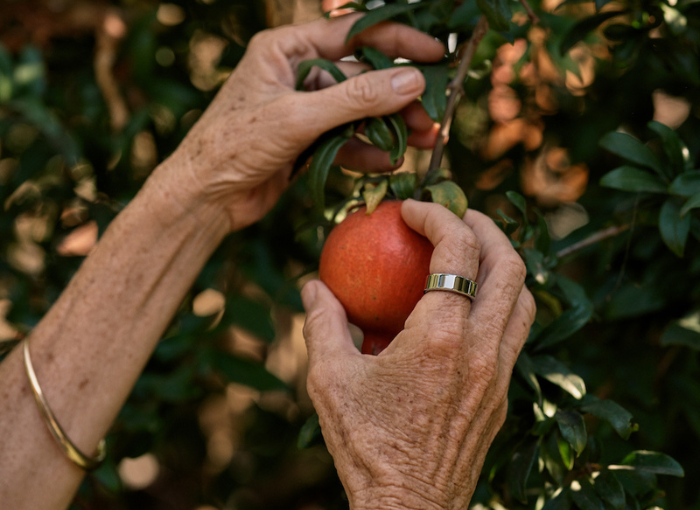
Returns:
<point x="326" y="39"/>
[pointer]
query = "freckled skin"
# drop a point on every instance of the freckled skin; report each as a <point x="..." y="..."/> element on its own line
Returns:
<point x="376" y="266"/>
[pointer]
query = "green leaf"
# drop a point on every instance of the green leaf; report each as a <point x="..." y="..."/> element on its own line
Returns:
<point x="305" y="68"/>
<point x="310" y="433"/>
<point x="674" y="148"/>
<point x="557" y="373"/>
<point x="692" y="203"/>
<point x="630" y="178"/>
<point x="434" y="97"/>
<point x="568" y="323"/>
<point x="584" y="495"/>
<point x="373" y="194"/>
<point x="322" y="162"/>
<point x="653" y="462"/>
<point x="610" y="489"/>
<point x="687" y="184"/>
<point x="29" y="74"/>
<point x="583" y="27"/>
<point x="543" y="241"/>
<point x="108" y="477"/>
<point x="497" y="12"/>
<point x="573" y="428"/>
<point x="403" y="185"/>
<point x="400" y="132"/>
<point x="562" y="501"/>
<point x="250" y="315"/>
<point x="6" y="73"/>
<point x="376" y="58"/>
<point x="243" y="371"/>
<point x="617" y="416"/>
<point x="631" y="149"/>
<point x="534" y="261"/>
<point x="6" y="66"/>
<point x="437" y="176"/>
<point x="509" y="225"/>
<point x="450" y="195"/>
<point x="379" y="134"/>
<point x="520" y="467"/>
<point x="620" y="32"/>
<point x="551" y="455"/>
<point x="380" y="14"/>
<point x="46" y="121"/>
<point x="566" y="452"/>
<point x="519" y="202"/>
<point x="466" y="15"/>
<point x="526" y="370"/>
<point x="685" y="332"/>
<point x="674" y="228"/>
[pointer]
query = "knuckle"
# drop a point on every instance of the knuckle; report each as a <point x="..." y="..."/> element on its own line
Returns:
<point x="314" y="319"/>
<point x="261" y="39"/>
<point x="482" y="369"/>
<point x="514" y="267"/>
<point x="362" y="92"/>
<point x="462" y="245"/>
<point x="528" y="303"/>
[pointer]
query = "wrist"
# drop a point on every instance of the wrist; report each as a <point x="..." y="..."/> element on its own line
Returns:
<point x="173" y="195"/>
<point x="399" y="497"/>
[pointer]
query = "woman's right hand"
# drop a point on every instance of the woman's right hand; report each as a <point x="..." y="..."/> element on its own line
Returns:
<point x="410" y="428"/>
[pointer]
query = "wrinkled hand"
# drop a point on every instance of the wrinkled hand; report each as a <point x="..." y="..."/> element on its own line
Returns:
<point x="410" y="428"/>
<point x="241" y="151"/>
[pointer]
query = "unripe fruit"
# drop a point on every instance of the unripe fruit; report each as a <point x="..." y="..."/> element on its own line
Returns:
<point x="376" y="266"/>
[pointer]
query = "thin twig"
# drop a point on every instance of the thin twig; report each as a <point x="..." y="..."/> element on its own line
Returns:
<point x="627" y="249"/>
<point x="595" y="238"/>
<point x="534" y="19"/>
<point x="456" y="90"/>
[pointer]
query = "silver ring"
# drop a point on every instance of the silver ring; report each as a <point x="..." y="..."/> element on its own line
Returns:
<point x="451" y="283"/>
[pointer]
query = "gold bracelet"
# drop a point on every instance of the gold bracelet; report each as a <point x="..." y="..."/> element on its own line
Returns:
<point x="72" y="452"/>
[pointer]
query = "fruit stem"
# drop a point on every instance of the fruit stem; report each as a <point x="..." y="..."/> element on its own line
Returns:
<point x="375" y="342"/>
<point x="456" y="90"/>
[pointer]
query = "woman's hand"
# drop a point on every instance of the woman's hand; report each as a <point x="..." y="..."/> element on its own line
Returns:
<point x="240" y="153"/>
<point x="410" y="428"/>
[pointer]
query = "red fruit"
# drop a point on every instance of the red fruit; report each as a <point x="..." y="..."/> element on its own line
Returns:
<point x="376" y="266"/>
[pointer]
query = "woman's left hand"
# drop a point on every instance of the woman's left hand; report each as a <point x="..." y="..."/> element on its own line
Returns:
<point x="239" y="155"/>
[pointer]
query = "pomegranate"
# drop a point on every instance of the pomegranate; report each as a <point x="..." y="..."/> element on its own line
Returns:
<point x="376" y="266"/>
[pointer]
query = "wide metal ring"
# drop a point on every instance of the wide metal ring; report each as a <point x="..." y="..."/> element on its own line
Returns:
<point x="451" y="283"/>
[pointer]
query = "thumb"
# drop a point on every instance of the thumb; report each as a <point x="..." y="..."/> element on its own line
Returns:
<point x="371" y="94"/>
<point x="326" y="327"/>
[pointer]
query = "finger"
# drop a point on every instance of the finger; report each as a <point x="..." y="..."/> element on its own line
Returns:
<point x="424" y="139"/>
<point x="417" y="118"/>
<point x="517" y="331"/>
<point x="363" y="157"/>
<point x="371" y="94"/>
<point x="326" y="328"/>
<point x="327" y="39"/>
<point x="456" y="252"/>
<point x="501" y="273"/>
<point x="323" y="79"/>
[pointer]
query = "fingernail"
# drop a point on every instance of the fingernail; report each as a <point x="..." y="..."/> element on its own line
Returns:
<point x="308" y="295"/>
<point x="406" y="81"/>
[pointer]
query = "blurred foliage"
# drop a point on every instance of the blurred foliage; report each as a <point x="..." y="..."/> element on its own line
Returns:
<point x="582" y="128"/>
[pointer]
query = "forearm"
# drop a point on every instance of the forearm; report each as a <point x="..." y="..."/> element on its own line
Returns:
<point x="90" y="348"/>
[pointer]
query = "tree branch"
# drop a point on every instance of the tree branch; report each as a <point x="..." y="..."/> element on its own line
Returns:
<point x="534" y="19"/>
<point x="456" y="90"/>
<point x="595" y="238"/>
